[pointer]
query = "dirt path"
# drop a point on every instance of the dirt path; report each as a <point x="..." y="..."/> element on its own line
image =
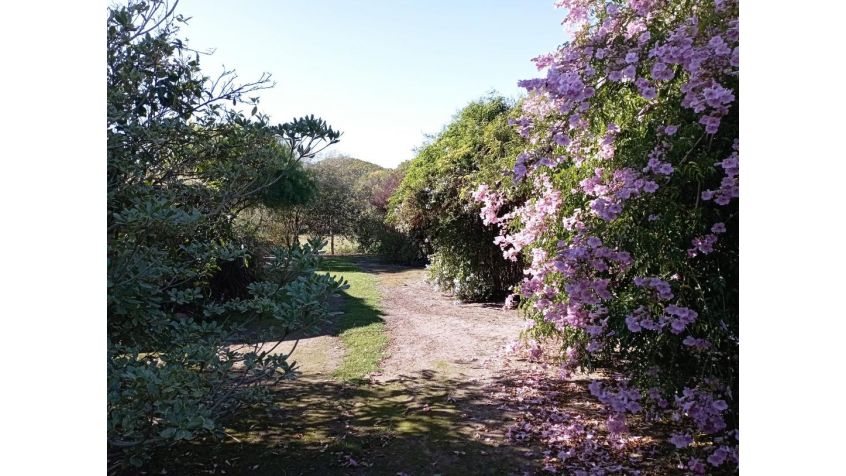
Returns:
<point x="434" y="407"/>
<point x="439" y="404"/>
<point x="430" y="332"/>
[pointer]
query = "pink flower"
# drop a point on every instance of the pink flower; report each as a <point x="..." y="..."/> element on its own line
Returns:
<point x="700" y="344"/>
<point x="650" y="187"/>
<point x="633" y="324"/>
<point x="660" y="72"/>
<point x="696" y="465"/>
<point x="681" y="441"/>
<point x="616" y="424"/>
<point x="718" y="457"/>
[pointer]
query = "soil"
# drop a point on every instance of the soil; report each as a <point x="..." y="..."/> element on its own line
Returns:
<point x="430" y="332"/>
<point x="439" y="405"/>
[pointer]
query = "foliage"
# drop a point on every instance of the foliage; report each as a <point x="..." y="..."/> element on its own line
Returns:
<point x="434" y="206"/>
<point x="181" y="166"/>
<point x="373" y="232"/>
<point x="351" y="200"/>
<point x="631" y="224"/>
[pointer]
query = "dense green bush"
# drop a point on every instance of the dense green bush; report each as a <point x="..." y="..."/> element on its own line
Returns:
<point x="433" y="203"/>
<point x="373" y="232"/>
<point x="382" y="239"/>
<point x="184" y="280"/>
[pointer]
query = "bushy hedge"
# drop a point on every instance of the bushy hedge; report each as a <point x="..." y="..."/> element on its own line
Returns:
<point x="631" y="229"/>
<point x="433" y="204"/>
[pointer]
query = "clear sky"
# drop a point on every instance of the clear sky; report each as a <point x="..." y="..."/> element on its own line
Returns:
<point x="384" y="72"/>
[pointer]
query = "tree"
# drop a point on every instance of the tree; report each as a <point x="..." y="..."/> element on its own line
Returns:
<point x="339" y="201"/>
<point x="181" y="165"/>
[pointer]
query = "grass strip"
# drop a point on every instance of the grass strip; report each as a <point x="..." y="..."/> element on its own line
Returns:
<point x="361" y="327"/>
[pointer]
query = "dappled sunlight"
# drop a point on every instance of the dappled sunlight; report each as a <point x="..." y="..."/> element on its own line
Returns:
<point x="416" y="424"/>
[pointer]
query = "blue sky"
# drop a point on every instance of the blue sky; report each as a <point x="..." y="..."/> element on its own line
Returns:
<point x="384" y="72"/>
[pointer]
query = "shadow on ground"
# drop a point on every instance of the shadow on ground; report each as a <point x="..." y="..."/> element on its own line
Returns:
<point x="369" y="263"/>
<point x="417" y="425"/>
<point x="356" y="314"/>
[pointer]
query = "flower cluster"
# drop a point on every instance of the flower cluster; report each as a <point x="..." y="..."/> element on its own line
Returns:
<point x="492" y="203"/>
<point x="535" y="217"/>
<point x="611" y="194"/>
<point x="730" y="186"/>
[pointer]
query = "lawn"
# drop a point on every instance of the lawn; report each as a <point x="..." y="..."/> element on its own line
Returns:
<point x="360" y="328"/>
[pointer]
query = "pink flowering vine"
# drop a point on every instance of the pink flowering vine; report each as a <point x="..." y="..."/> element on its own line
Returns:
<point x="623" y="203"/>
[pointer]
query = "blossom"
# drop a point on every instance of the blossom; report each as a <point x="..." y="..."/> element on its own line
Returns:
<point x="691" y="341"/>
<point x="680" y="440"/>
<point x="696" y="465"/>
<point x="719" y="46"/>
<point x="661" y="72"/>
<point x="579" y="281"/>
<point x="510" y="301"/>
<point x="718" y="457"/>
<point x="703" y="244"/>
<point x="633" y="324"/>
<point x="616" y="424"/>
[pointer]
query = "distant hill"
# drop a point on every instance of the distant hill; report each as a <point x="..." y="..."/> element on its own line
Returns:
<point x="351" y="170"/>
<point x="348" y="161"/>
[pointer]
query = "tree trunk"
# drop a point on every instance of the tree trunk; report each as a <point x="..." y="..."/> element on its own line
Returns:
<point x="331" y="238"/>
<point x="297" y="226"/>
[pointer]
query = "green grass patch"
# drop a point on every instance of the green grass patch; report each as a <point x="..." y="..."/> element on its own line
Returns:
<point x="361" y="327"/>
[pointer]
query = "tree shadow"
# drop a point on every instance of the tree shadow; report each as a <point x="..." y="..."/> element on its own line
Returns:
<point x="425" y="423"/>
<point x="347" y="312"/>
<point x="362" y="262"/>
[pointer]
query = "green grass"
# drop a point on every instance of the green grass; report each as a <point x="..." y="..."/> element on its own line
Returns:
<point x="361" y="328"/>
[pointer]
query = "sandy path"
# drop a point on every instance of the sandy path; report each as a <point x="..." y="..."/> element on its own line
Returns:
<point x="430" y="332"/>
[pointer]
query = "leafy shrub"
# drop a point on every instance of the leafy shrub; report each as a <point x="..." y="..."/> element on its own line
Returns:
<point x="371" y="191"/>
<point x="433" y="203"/>
<point x="457" y="276"/>
<point x="377" y="237"/>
